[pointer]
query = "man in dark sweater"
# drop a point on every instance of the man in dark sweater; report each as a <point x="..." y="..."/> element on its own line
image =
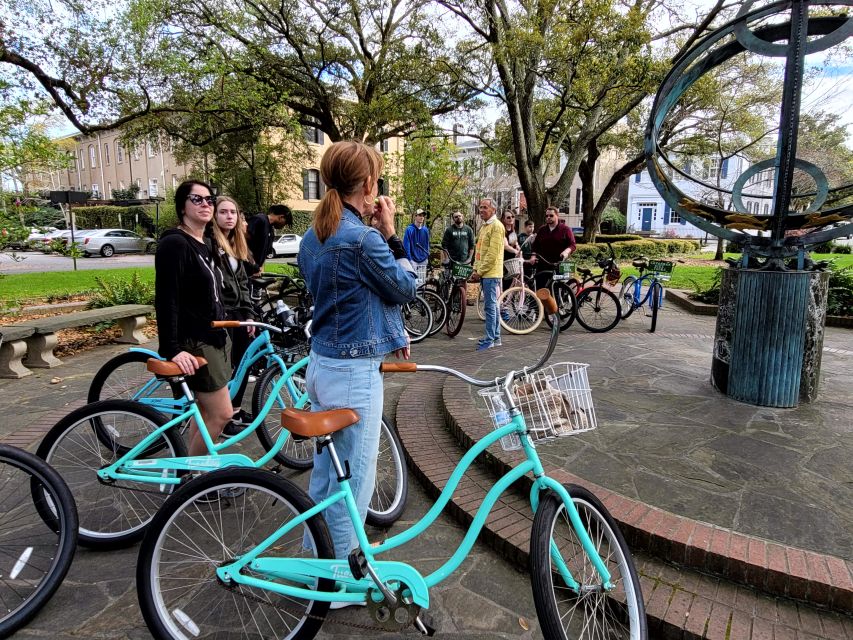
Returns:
<point x="261" y="232"/>
<point x="458" y="240"/>
<point x="554" y="242"/>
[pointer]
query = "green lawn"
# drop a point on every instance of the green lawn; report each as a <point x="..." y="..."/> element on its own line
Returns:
<point x="51" y="285"/>
<point x="57" y="284"/>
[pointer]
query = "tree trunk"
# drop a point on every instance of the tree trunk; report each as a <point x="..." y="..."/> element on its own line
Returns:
<point x="586" y="171"/>
<point x="719" y="254"/>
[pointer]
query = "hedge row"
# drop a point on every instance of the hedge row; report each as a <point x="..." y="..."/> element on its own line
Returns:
<point x="107" y="217"/>
<point x="618" y="237"/>
<point x="631" y="249"/>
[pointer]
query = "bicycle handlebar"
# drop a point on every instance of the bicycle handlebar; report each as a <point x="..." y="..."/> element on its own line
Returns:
<point x="230" y="324"/>
<point x="551" y="307"/>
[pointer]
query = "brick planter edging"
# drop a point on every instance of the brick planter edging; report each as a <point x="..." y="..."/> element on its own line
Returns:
<point x="773" y="568"/>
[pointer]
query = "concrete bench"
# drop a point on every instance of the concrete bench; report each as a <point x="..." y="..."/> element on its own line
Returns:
<point x="39" y="335"/>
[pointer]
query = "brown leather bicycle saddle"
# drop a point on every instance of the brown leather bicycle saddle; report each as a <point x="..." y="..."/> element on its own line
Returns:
<point x="167" y="368"/>
<point x="263" y="283"/>
<point x="311" y="424"/>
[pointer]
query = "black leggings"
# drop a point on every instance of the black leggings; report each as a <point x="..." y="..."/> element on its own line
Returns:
<point x="240" y="342"/>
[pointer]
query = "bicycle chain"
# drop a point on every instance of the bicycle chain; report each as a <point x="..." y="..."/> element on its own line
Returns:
<point x="300" y="613"/>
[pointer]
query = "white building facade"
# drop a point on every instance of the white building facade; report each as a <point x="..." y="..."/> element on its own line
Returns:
<point x="649" y="214"/>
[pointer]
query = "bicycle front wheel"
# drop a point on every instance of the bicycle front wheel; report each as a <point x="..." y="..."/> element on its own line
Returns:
<point x="211" y="522"/>
<point x="481" y="303"/>
<point x="35" y="552"/>
<point x="417" y="318"/>
<point x="584" y="609"/>
<point x="520" y="310"/>
<point x="295" y="454"/>
<point x="598" y="309"/>
<point x="111" y="515"/>
<point x="392" y="482"/>
<point x="566" y="304"/>
<point x="456" y="310"/>
<point x="655" y="298"/>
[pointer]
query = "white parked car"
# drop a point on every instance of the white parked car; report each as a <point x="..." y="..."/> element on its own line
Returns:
<point x="110" y="241"/>
<point x="286" y="246"/>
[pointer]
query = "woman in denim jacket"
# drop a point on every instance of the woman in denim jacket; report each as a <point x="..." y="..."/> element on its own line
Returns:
<point x="358" y="275"/>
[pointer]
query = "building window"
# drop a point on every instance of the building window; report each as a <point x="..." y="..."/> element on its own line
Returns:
<point x="311" y="185"/>
<point x="577" y="201"/>
<point x="174" y="181"/>
<point x="96" y="191"/>
<point x="152" y="187"/>
<point x="383" y="146"/>
<point x="136" y="152"/>
<point x="110" y="189"/>
<point x="312" y="134"/>
<point x="119" y="154"/>
<point x="766" y="208"/>
<point x="92" y="162"/>
<point x="150" y="148"/>
<point x="709" y="169"/>
<point x="139" y="183"/>
<point x="107" y="153"/>
<point x="674" y="218"/>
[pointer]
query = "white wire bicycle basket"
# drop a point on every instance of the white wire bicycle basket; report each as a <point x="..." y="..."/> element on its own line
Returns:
<point x="556" y="402"/>
<point x="514" y="266"/>
<point x="421" y="273"/>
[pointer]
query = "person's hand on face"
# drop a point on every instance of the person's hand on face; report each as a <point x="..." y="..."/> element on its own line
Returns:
<point x="383" y="216"/>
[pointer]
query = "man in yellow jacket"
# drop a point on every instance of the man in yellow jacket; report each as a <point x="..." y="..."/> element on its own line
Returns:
<point x="489" y="266"/>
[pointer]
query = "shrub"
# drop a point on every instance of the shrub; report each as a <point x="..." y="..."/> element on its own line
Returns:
<point x="616" y="237"/>
<point x="842" y="248"/>
<point x="614" y="220"/>
<point x="630" y="249"/>
<point x="116" y="291"/>
<point x="840" y="297"/>
<point x="711" y="293"/>
<point x="110" y="217"/>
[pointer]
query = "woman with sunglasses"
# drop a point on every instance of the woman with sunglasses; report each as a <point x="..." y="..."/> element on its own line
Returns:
<point x="229" y="231"/>
<point x="187" y="298"/>
<point x="511" y="247"/>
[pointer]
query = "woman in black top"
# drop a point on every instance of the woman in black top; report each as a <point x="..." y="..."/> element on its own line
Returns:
<point x="187" y="298"/>
<point x="229" y="231"/>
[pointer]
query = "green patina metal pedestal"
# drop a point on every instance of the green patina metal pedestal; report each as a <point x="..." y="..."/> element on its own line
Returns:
<point x="769" y="336"/>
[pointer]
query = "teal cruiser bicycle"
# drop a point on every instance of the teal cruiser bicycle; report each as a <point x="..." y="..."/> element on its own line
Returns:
<point x="264" y="566"/>
<point x="122" y="458"/>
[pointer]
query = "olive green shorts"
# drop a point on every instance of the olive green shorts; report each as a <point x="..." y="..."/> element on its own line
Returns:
<point x="217" y="372"/>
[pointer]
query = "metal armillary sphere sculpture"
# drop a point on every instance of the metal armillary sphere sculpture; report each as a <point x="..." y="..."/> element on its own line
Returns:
<point x="829" y="212"/>
<point x="769" y="335"/>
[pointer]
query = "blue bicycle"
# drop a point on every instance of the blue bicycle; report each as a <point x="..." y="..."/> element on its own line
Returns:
<point x="645" y="289"/>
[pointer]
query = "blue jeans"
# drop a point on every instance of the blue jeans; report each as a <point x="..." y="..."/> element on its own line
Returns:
<point x="491" y="288"/>
<point x="354" y="383"/>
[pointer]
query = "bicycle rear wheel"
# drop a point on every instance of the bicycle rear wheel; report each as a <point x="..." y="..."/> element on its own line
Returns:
<point x="295" y="454"/>
<point x="566" y="304"/>
<point x="35" y="552"/>
<point x="481" y="304"/>
<point x="417" y="318"/>
<point x="210" y="522"/>
<point x="520" y="310"/>
<point x="627" y="296"/>
<point x="584" y="610"/>
<point x="598" y="309"/>
<point x="456" y="310"/>
<point x="111" y="515"/>
<point x="438" y="308"/>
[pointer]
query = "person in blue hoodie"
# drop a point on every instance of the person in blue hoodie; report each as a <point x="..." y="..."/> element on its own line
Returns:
<point x="416" y="239"/>
<point x="356" y="269"/>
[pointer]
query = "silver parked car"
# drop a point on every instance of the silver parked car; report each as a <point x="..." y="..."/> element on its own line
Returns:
<point x="110" y="241"/>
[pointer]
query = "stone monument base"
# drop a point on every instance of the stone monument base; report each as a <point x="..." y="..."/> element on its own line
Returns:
<point x="769" y="336"/>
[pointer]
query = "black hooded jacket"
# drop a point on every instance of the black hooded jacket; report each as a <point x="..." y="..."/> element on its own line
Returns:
<point x="187" y="293"/>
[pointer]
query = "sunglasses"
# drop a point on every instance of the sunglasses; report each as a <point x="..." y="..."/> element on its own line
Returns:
<point x="197" y="199"/>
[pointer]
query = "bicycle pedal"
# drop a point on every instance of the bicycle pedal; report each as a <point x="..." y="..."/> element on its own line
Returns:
<point x="423" y="627"/>
<point x="357" y="564"/>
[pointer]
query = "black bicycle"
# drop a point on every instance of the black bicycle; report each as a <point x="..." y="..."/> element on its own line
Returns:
<point x="598" y="308"/>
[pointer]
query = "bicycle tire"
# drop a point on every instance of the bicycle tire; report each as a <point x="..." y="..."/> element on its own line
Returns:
<point x="619" y="614"/>
<point x="627" y="298"/>
<point x="598" y="309"/>
<point x="523" y="310"/>
<point x="111" y="516"/>
<point x="122" y="378"/>
<point x="295" y="454"/>
<point x="417" y="319"/>
<point x="175" y="607"/>
<point x="27" y="540"/>
<point x="438" y="308"/>
<point x="566" y="304"/>
<point x="481" y="304"/>
<point x="656" y="293"/>
<point x="391" y="489"/>
<point x="456" y="310"/>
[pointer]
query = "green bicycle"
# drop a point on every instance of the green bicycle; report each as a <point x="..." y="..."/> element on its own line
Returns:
<point x="264" y="566"/>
